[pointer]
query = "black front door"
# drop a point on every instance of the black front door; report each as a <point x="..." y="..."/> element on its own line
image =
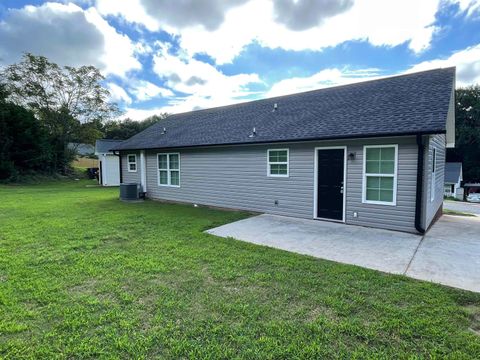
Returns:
<point x="330" y="183"/>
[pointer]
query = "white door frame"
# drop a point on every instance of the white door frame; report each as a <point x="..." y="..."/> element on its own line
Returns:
<point x="315" y="181"/>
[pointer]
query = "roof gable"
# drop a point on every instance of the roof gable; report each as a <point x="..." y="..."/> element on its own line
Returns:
<point x="453" y="172"/>
<point x="400" y="105"/>
<point x="104" y="146"/>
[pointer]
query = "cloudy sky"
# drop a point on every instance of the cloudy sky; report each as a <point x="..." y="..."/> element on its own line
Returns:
<point x="178" y="55"/>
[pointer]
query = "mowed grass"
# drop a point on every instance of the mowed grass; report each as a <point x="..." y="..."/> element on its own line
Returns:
<point x="83" y="275"/>
<point x="457" y="213"/>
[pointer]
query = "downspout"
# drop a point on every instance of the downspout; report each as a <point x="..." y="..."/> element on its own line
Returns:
<point x="119" y="164"/>
<point x="418" y="198"/>
<point x="143" y="173"/>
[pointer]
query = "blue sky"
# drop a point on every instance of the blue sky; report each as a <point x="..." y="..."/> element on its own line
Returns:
<point x="175" y="56"/>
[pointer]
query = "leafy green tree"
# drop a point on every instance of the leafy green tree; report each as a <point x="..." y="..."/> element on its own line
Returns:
<point x="124" y="129"/>
<point x="467" y="123"/>
<point x="64" y="99"/>
<point x="24" y="144"/>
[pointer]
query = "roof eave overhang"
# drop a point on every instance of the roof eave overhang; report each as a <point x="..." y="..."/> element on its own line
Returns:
<point x="346" y="137"/>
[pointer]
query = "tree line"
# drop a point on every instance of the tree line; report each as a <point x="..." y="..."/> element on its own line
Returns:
<point x="44" y="107"/>
<point x="467" y="132"/>
<point x="124" y="129"/>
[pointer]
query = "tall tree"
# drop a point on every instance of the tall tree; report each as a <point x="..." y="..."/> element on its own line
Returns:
<point x="62" y="98"/>
<point x="467" y="123"/>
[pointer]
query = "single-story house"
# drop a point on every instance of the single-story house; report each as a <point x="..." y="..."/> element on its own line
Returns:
<point x="371" y="153"/>
<point x="109" y="163"/>
<point x="453" y="180"/>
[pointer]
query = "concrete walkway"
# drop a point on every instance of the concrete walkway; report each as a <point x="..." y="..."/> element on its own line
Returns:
<point x="448" y="254"/>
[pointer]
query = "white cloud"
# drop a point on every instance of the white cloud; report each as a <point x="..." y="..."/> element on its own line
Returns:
<point x="380" y="22"/>
<point x="467" y="6"/>
<point x="66" y="34"/>
<point x="467" y="62"/>
<point x="204" y="84"/>
<point x="118" y="94"/>
<point x="140" y="114"/>
<point x="118" y="56"/>
<point x="305" y="14"/>
<point x="130" y="10"/>
<point x="169" y="15"/>
<point x="322" y="79"/>
<point x="145" y="90"/>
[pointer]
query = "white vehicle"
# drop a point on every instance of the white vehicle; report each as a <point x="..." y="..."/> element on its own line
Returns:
<point x="475" y="197"/>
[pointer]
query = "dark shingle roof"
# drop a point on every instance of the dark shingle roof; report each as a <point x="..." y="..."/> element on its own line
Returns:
<point x="453" y="171"/>
<point x="103" y="146"/>
<point x="400" y="105"/>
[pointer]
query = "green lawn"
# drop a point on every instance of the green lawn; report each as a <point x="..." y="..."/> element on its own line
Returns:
<point x="455" y="212"/>
<point x="83" y="275"/>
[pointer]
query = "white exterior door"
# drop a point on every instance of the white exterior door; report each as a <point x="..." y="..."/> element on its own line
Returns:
<point x="111" y="167"/>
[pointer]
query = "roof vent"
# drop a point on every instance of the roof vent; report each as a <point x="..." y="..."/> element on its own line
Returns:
<point x="275" y="107"/>
<point x="254" y="132"/>
<point x="164" y="131"/>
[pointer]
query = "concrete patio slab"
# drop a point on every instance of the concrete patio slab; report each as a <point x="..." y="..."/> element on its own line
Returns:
<point x="450" y="253"/>
<point x="377" y="249"/>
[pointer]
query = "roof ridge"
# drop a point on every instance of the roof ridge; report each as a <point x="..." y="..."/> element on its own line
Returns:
<point x="388" y="77"/>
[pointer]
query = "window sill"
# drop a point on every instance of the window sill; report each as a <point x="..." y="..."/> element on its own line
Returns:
<point x="379" y="203"/>
<point x="165" y="185"/>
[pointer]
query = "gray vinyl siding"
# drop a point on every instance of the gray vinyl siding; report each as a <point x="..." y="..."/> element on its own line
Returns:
<point x="236" y="177"/>
<point x="431" y="207"/>
<point x="127" y="176"/>
<point x="402" y="215"/>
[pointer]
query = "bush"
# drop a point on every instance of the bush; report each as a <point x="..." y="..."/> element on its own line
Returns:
<point x="24" y="144"/>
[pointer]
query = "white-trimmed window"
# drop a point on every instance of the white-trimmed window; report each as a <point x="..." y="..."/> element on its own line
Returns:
<point x="380" y="174"/>
<point x="132" y="162"/>
<point x="169" y="169"/>
<point x="433" y="174"/>
<point x="277" y="162"/>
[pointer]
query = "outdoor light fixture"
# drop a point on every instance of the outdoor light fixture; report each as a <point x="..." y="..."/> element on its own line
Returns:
<point x="352" y="155"/>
